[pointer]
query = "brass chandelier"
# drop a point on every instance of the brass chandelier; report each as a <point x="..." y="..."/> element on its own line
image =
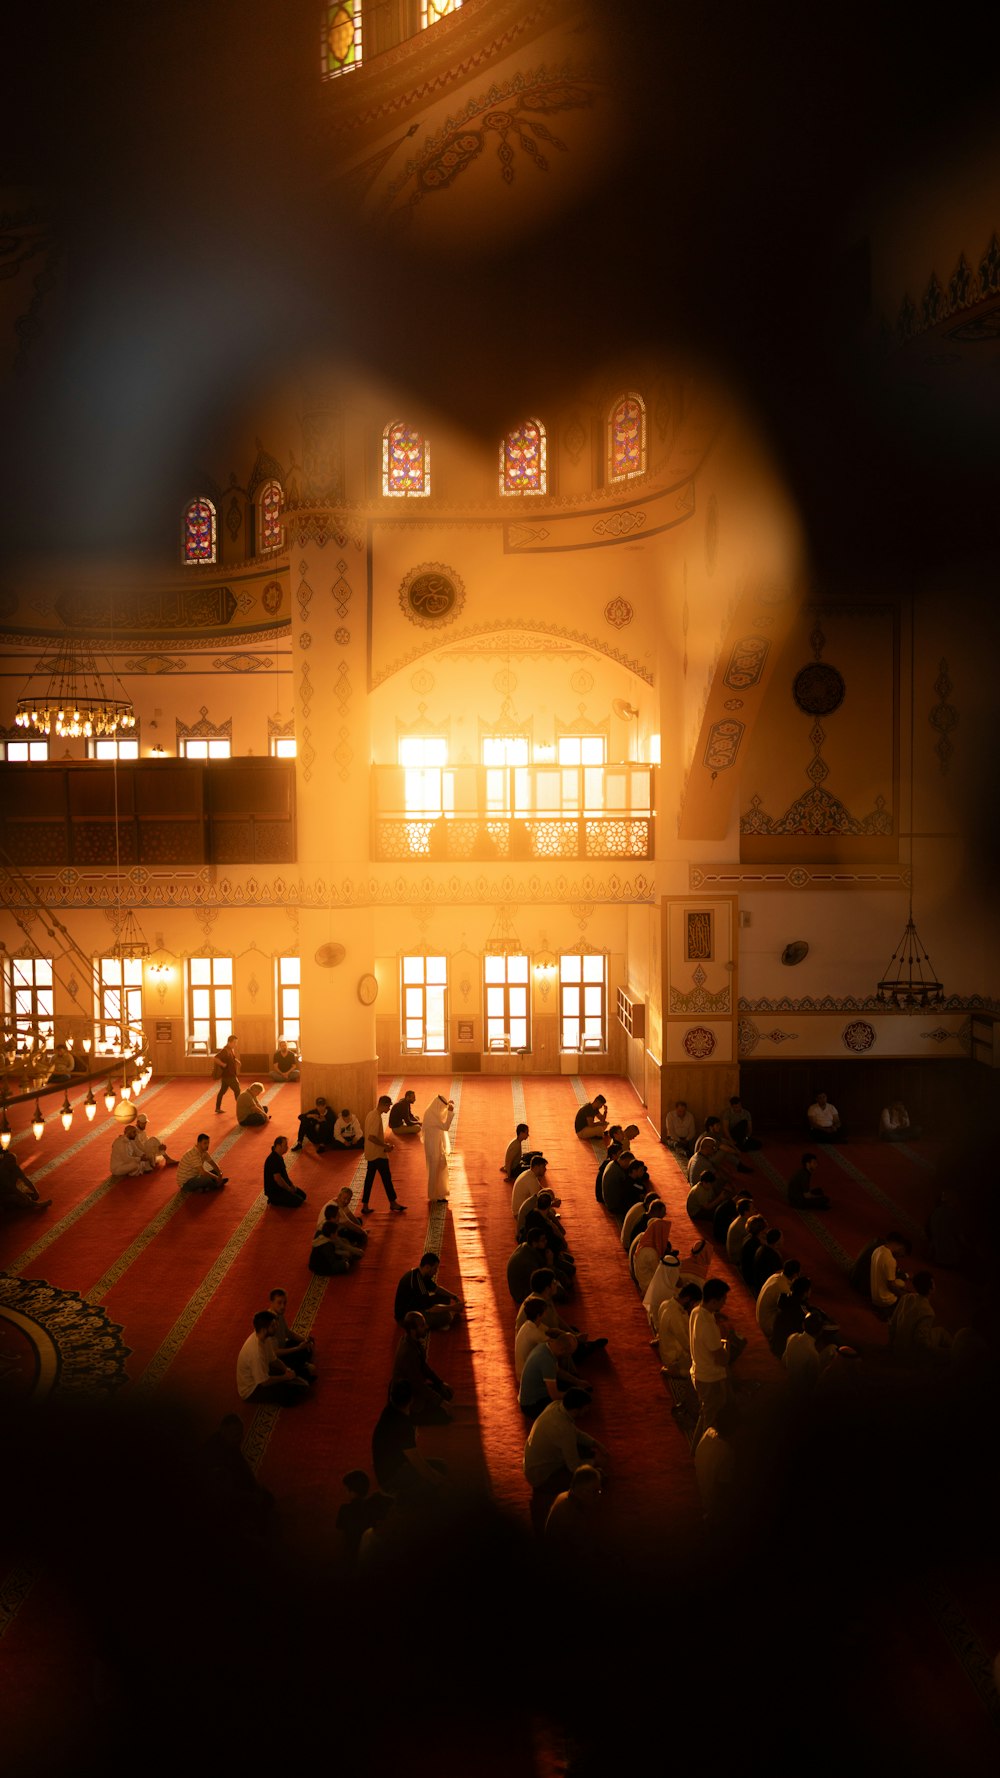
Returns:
<point x="75" y="699"/>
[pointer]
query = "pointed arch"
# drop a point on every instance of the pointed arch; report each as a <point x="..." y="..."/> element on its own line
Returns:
<point x="524" y="460"/>
<point x="406" y="461"/>
<point x="270" y="530"/>
<point x="200" y="532"/>
<point x="627" y="438"/>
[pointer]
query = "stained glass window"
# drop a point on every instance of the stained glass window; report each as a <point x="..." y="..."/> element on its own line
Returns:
<point x="627" y="439"/>
<point x="272" y="531"/>
<point x="340" y="48"/>
<point x="432" y="10"/>
<point x="406" y="461"/>
<point x="523" y="460"/>
<point x="199" y="531"/>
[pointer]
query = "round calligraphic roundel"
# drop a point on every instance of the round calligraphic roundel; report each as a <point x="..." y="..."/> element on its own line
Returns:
<point x="432" y="595"/>
<point x="368" y="990"/>
<point x="819" y="690"/>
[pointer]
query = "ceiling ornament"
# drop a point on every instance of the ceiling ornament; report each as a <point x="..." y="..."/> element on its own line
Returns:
<point x="432" y="595"/>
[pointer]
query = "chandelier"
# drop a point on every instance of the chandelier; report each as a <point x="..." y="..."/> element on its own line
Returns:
<point x="75" y="701"/>
<point x="905" y="986"/>
<point x="503" y="940"/>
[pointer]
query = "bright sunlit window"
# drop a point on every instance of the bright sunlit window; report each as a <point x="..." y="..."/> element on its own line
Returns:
<point x="119" y="999"/>
<point x="424" y="1005"/>
<point x="196" y="747"/>
<point x="426" y="787"/>
<point x="24" y="752"/>
<point x="505" y="983"/>
<point x="283" y="747"/>
<point x="209" y="1003"/>
<point x="287" y="998"/>
<point x="583" y="1001"/>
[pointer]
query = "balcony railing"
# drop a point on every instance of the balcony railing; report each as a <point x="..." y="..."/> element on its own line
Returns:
<point x="478" y="814"/>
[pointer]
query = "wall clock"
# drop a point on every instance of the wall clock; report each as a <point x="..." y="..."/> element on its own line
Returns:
<point x="367" y="990"/>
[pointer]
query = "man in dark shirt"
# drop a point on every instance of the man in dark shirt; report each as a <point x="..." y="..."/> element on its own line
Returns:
<point x="430" y="1392"/>
<point x="623" y="1183"/>
<point x="16" y="1190"/>
<point x="419" y="1289"/>
<point x="399" y="1468"/>
<point x="317" y="1125"/>
<point x="401" y="1119"/>
<point x="526" y="1258"/>
<point x="802" y="1194"/>
<point x="278" y="1188"/>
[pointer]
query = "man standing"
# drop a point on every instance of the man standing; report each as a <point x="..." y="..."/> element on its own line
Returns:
<point x="278" y="1188"/>
<point x="377" y="1146"/>
<point x="710" y="1358"/>
<point x="196" y="1170"/>
<point x="227" y="1071"/>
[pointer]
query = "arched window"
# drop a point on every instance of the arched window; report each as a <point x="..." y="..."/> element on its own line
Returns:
<point x="432" y="10"/>
<point x="523" y="460"/>
<point x="627" y="439"/>
<point x="406" y="461"/>
<point x="200" y="532"/>
<point x="340" y="42"/>
<point x="271" y="531"/>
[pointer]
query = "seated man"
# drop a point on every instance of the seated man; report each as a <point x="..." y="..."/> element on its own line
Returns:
<point x="650" y="1246"/>
<point x="62" y="1066"/>
<point x="316" y="1125"/>
<point x="894" y="1125"/>
<point x="330" y="1256"/>
<point x="790" y="1312"/>
<point x="231" y="1488"/>
<point x="623" y="1183"/>
<point x="738" y="1125"/>
<point x="802" y="1194"/>
<point x="768" y="1297"/>
<point x="400" y="1470"/>
<point x="767" y="1260"/>
<point x="294" y="1349"/>
<point x="519" y="1154"/>
<point x="727" y="1154"/>
<point x="543" y="1378"/>
<point x="402" y="1121"/>
<point x="527" y="1257"/>
<point x="428" y="1391"/>
<point x="736" y="1233"/>
<point x="278" y="1188"/>
<point x="528" y="1182"/>
<point x="573" y="1516"/>
<point x="351" y="1227"/>
<point x="801" y="1357"/>
<point x="886" y="1281"/>
<point x="915" y="1334"/>
<point x="674" y="1330"/>
<point x="419" y="1289"/>
<point x="249" y="1110"/>
<point x="152" y="1147"/>
<point x="824" y="1120"/>
<point x="128" y="1156"/>
<point x="284" y="1062"/>
<point x="681" y="1131"/>
<point x="591" y="1118"/>
<point x="532" y="1330"/>
<point x="556" y="1445"/>
<point x="545" y="1286"/>
<point x="706" y="1195"/>
<point x="196" y="1170"/>
<point x="347" y="1132"/>
<point x="261" y="1379"/>
<point x="756" y="1230"/>
<point x="16" y="1190"/>
<point x="635" y="1220"/>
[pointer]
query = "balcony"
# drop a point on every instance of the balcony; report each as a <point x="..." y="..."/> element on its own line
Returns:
<point x="512" y="814"/>
<point x="159" y="812"/>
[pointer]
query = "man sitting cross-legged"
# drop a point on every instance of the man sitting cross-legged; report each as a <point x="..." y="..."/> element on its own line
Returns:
<point x="403" y="1121"/>
<point x="519" y="1154"/>
<point x="330" y="1255"/>
<point x="294" y="1349"/>
<point x="196" y="1170"/>
<point x="591" y="1119"/>
<point x="556" y="1445"/>
<point x="545" y="1285"/>
<point x="419" y="1289"/>
<point x="349" y="1227"/>
<point x="129" y="1159"/>
<point x="530" y="1180"/>
<point x="278" y="1188"/>
<point x="261" y="1379"/>
<point x="152" y="1147"/>
<point x="347" y="1131"/>
<point x="17" y="1191"/>
<point x="802" y="1193"/>
<point x="544" y="1378"/>
<point x="528" y="1255"/>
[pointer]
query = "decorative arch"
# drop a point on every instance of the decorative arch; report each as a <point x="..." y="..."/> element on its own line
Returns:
<point x="340" y="38"/>
<point x="406" y="461"/>
<point x="524" y="460"/>
<point x="270" y="530"/>
<point x="627" y="438"/>
<point x="200" y="532"/>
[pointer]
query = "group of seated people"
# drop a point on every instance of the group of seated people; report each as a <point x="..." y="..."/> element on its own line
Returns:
<point x="276" y="1366"/>
<point x="136" y="1150"/>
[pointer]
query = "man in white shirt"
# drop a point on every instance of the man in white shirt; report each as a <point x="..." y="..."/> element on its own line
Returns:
<point x="674" y="1330"/>
<point x="736" y="1233"/>
<point x="915" y="1334"/>
<point x="514" y="1160"/>
<point x="196" y="1170"/>
<point x="527" y="1184"/>
<point x="801" y="1357"/>
<point x="128" y="1156"/>
<point x="709" y="1355"/>
<point x="823" y="1120"/>
<point x="152" y="1147"/>
<point x="347" y="1132"/>
<point x="887" y="1282"/>
<point x="377" y="1147"/>
<point x="555" y="1444"/>
<point x="263" y="1380"/>
<point x="681" y="1130"/>
<point x="531" y="1332"/>
<point x="895" y="1126"/>
<point x="778" y="1285"/>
